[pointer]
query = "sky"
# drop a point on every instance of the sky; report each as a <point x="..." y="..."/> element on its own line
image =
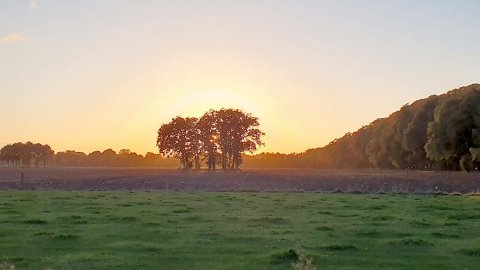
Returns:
<point x="89" y="75"/>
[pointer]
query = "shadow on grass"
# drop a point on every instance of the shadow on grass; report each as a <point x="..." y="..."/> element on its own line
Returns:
<point x="339" y="248"/>
<point x="475" y="252"/>
<point x="35" y="221"/>
<point x="284" y="257"/>
<point x="270" y="220"/>
<point x="411" y="242"/>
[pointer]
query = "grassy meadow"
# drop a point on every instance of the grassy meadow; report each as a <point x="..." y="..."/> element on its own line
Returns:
<point x="202" y="230"/>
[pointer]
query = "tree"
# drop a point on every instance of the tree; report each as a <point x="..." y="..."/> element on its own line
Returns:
<point x="179" y="139"/>
<point x="415" y="135"/>
<point x="227" y="133"/>
<point x="377" y="149"/>
<point x="71" y="158"/>
<point x="208" y="136"/>
<point x="95" y="158"/>
<point x="36" y="152"/>
<point x="238" y="132"/>
<point x="46" y="153"/>
<point x="439" y="131"/>
<point x="453" y="130"/>
<point x="23" y="153"/>
<point x="8" y="154"/>
<point x="108" y="157"/>
<point x="193" y="142"/>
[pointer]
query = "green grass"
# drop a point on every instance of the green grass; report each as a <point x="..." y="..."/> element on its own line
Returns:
<point x="181" y="230"/>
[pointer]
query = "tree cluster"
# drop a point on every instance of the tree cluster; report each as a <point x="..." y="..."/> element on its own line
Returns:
<point x="24" y="154"/>
<point x="110" y="158"/>
<point x="28" y="154"/>
<point x="436" y="133"/>
<point x="439" y="132"/>
<point x="219" y="137"/>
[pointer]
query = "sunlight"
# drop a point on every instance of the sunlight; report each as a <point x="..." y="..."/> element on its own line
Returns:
<point x="239" y="134"/>
<point x="198" y="102"/>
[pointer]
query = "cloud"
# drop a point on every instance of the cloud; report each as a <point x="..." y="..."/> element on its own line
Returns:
<point x="33" y="4"/>
<point x="12" y="38"/>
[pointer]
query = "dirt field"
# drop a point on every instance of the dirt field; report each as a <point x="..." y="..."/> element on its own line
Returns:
<point x="294" y="180"/>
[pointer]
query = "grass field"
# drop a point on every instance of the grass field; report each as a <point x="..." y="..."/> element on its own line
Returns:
<point x="201" y="230"/>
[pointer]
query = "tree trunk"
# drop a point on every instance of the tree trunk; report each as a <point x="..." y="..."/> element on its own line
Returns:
<point x="224" y="160"/>
<point x="197" y="162"/>
<point x="235" y="161"/>
<point x="214" y="160"/>
<point x="182" y="161"/>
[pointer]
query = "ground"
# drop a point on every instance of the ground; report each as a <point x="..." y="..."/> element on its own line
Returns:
<point x="236" y="230"/>
<point x="291" y="180"/>
<point x="147" y="218"/>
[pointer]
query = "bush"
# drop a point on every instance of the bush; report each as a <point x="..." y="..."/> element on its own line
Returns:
<point x="285" y="256"/>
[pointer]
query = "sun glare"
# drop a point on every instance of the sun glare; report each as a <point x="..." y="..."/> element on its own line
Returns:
<point x="198" y="102"/>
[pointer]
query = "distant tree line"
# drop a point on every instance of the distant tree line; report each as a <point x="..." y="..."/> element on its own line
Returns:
<point x="34" y="154"/>
<point x="219" y="137"/>
<point x="25" y="154"/>
<point x="436" y="133"/>
<point x="110" y="158"/>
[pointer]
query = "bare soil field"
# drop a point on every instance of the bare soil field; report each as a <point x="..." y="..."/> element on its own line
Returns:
<point x="282" y="180"/>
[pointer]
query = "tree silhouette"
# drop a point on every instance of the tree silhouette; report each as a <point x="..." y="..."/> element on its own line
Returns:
<point x="208" y="136"/>
<point x="108" y="157"/>
<point x="238" y="133"/>
<point x="8" y="154"/>
<point x="179" y="139"/>
<point x="453" y="131"/>
<point x="45" y="153"/>
<point x="438" y="132"/>
<point x="227" y="133"/>
<point x="23" y="153"/>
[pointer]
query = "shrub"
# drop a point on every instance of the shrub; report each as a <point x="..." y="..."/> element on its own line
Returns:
<point x="285" y="257"/>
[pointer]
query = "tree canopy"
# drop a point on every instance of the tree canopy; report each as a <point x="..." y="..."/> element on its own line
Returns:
<point x="438" y="132"/>
<point x="219" y="137"/>
<point x="441" y="132"/>
<point x="24" y="153"/>
<point x="28" y="154"/>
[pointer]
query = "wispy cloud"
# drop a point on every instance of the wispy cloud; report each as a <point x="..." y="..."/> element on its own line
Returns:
<point x="33" y="4"/>
<point x="12" y="38"/>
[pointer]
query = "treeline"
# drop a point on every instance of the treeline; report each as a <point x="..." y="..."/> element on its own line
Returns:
<point x="276" y="160"/>
<point x="110" y="158"/>
<point x="25" y="154"/>
<point x="436" y="133"/>
<point x="219" y="137"/>
<point x="35" y="154"/>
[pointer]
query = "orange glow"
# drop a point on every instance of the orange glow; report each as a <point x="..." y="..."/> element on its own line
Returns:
<point x="309" y="74"/>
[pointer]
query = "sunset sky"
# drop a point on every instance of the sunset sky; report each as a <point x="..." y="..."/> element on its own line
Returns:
<point x="97" y="74"/>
